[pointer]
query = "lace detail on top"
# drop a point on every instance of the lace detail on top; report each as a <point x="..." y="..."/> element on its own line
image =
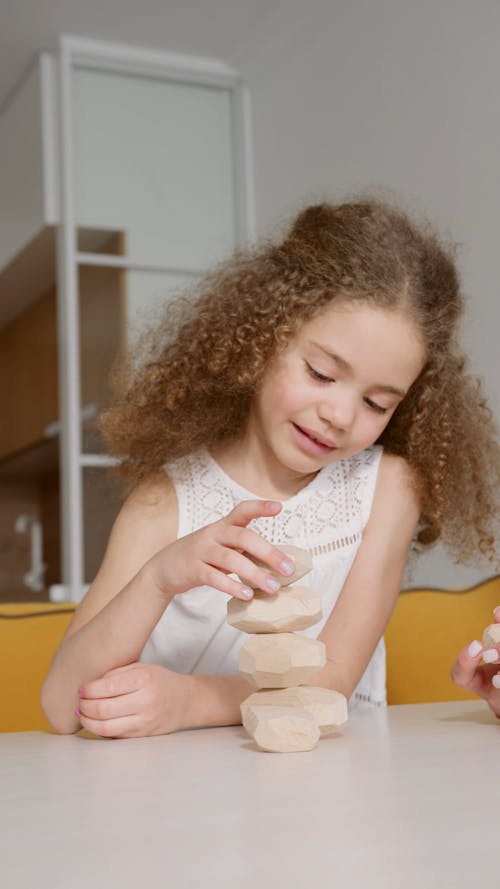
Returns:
<point x="327" y="515"/>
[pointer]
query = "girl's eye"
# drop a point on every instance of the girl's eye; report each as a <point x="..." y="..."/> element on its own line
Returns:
<point x="316" y="375"/>
<point x="376" y="407"/>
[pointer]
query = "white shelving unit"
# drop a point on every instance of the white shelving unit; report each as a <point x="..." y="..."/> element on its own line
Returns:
<point x="152" y="146"/>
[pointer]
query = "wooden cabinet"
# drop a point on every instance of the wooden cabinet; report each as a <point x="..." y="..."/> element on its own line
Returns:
<point x="29" y="404"/>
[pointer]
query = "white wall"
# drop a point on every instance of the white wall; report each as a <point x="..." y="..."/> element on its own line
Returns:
<point x="395" y="94"/>
<point x="21" y="164"/>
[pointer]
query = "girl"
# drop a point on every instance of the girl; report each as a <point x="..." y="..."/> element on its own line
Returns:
<point x="313" y="393"/>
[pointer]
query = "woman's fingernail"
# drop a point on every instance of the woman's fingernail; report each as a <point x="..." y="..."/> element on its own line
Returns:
<point x="474" y="648"/>
<point x="80" y="691"/>
<point x="273" y="585"/>
<point x="496" y="680"/>
<point x="287" y="567"/>
<point x="77" y="713"/>
<point x="490" y="656"/>
<point x="247" y="594"/>
<point x="496" y="612"/>
<point x="273" y="504"/>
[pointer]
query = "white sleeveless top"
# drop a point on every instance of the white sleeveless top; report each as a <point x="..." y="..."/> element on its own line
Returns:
<point x="326" y="517"/>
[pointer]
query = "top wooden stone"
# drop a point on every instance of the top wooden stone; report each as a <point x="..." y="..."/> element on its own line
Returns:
<point x="301" y="557"/>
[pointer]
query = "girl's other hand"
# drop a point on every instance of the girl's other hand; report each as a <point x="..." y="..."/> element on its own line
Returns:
<point x="482" y="679"/>
<point x="134" y="701"/>
<point x="209" y="555"/>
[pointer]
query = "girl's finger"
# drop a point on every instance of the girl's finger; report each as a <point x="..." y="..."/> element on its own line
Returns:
<point x="220" y="581"/>
<point x="233" y="562"/>
<point x="496" y="614"/>
<point x="116" y="682"/>
<point x="109" y="708"/>
<point x="123" y="727"/>
<point x="257" y="547"/>
<point x="464" y="669"/>
<point x="247" y="510"/>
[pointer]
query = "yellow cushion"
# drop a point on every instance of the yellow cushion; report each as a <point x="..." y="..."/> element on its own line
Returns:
<point x="426" y="631"/>
<point x="29" y="636"/>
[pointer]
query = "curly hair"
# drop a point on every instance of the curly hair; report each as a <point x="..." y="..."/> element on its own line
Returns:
<point x="207" y="358"/>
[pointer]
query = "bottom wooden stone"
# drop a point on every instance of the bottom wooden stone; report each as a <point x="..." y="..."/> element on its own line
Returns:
<point x="281" y="729"/>
<point x="327" y="707"/>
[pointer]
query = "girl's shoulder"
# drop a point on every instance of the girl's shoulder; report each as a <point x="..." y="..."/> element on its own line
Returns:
<point x="145" y="524"/>
<point x="396" y="468"/>
<point x="151" y="496"/>
<point x="396" y="480"/>
<point x="150" y="510"/>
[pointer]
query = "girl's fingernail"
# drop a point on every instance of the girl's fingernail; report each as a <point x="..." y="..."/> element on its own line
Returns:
<point x="272" y="584"/>
<point x="247" y="594"/>
<point x="287" y="567"/>
<point x="474" y="648"/>
<point x="273" y="504"/>
<point x="496" y="612"/>
<point x="496" y="680"/>
<point x="77" y="713"/>
<point x="80" y="691"/>
<point x="490" y="656"/>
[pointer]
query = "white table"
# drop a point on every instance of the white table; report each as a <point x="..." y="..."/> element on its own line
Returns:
<point x="405" y="798"/>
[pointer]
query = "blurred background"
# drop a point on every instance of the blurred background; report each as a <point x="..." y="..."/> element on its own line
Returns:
<point x="140" y="152"/>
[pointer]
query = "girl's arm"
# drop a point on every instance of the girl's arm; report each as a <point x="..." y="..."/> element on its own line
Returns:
<point x="144" y="567"/>
<point x="369" y="594"/>
<point x="112" y="623"/>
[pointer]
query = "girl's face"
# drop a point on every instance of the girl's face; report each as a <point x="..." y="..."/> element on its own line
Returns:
<point x="337" y="385"/>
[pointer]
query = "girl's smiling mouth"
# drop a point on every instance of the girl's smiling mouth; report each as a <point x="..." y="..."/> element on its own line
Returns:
<point x="313" y="441"/>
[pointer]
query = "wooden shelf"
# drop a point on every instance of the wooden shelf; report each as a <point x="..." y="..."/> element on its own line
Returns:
<point x="32" y="272"/>
<point x="35" y="462"/>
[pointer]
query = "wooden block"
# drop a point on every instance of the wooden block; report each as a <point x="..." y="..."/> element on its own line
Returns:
<point x="328" y="708"/>
<point x="281" y="660"/>
<point x="282" y="729"/>
<point x="491" y="636"/>
<point x="303" y="564"/>
<point x="294" y="608"/>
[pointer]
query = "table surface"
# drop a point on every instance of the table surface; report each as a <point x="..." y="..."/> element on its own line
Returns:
<point x="403" y="797"/>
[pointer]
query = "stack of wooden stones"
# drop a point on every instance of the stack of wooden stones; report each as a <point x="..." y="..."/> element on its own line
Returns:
<point x="284" y="715"/>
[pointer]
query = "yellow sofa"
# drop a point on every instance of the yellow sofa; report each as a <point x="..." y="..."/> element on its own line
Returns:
<point x="425" y="633"/>
<point x="29" y="636"/>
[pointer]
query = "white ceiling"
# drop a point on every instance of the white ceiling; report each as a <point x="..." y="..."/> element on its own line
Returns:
<point x="212" y="28"/>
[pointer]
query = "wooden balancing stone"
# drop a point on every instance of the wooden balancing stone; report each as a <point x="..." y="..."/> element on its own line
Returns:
<point x="284" y="715"/>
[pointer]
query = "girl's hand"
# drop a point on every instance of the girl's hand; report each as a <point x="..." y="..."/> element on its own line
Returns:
<point x="134" y="701"/>
<point x="209" y="555"/>
<point x="481" y="679"/>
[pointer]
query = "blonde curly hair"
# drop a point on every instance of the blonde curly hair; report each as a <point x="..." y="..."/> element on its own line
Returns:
<point x="207" y="358"/>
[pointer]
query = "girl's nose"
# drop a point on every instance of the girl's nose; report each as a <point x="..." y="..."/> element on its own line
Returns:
<point x="339" y="412"/>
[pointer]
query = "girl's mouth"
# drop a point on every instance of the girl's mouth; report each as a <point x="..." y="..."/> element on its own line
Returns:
<point x="312" y="442"/>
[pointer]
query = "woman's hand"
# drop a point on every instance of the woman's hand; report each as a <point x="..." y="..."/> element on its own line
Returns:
<point x="209" y="555"/>
<point x="482" y="679"/>
<point x="135" y="701"/>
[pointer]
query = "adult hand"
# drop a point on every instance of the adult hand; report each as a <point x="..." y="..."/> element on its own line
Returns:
<point x="209" y="555"/>
<point x="482" y="679"/>
<point x="135" y="701"/>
